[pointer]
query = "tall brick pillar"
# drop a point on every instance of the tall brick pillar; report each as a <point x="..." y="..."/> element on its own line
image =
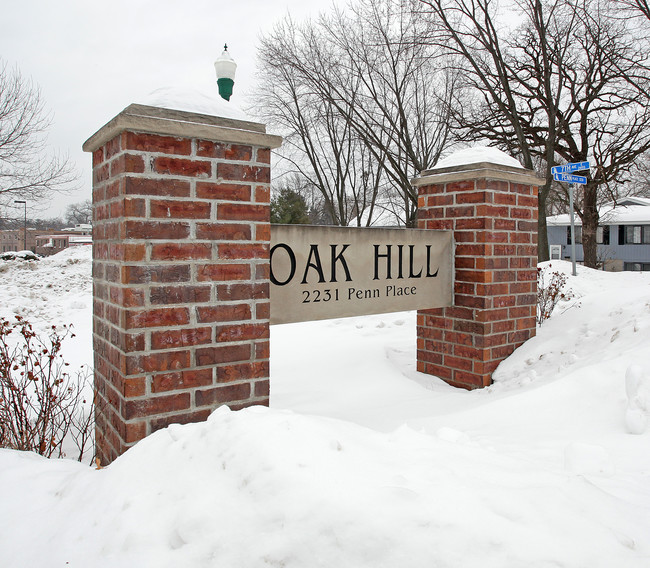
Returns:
<point x="492" y="210"/>
<point x="181" y="232"/>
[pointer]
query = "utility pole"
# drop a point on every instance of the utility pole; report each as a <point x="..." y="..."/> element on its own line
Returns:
<point x="25" y="224"/>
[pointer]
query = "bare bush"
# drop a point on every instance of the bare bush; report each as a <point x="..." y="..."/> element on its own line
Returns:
<point x="41" y="404"/>
<point x="550" y="290"/>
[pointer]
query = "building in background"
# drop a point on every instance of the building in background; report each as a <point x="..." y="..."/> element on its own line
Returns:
<point x="623" y="236"/>
<point x="44" y="241"/>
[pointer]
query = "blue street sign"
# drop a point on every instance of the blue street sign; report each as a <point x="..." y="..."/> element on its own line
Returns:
<point x="571" y="167"/>
<point x="570" y="178"/>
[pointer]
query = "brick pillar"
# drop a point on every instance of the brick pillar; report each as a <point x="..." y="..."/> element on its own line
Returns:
<point x="492" y="210"/>
<point x="181" y="232"/>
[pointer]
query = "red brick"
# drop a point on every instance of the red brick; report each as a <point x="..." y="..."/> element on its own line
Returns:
<point x="156" y="405"/>
<point x="170" y="338"/>
<point x="160" y="422"/>
<point x="180" y="294"/>
<point x="505" y="198"/>
<point x="474" y="223"/>
<point x="156" y="317"/>
<point x="98" y="157"/>
<point x="263" y="310"/>
<point x="228" y="293"/>
<point x="459" y="186"/>
<point x="223" y="313"/>
<point x="474" y="276"/>
<point x="155" y="143"/>
<point x="240" y="172"/>
<point x="504" y="301"/>
<point x="433" y="369"/>
<point x="182" y="167"/>
<point x="101" y="174"/>
<point x="520" y="213"/>
<point x="223" y="272"/>
<point x="223" y="394"/>
<point x="261" y="388"/>
<point x="127" y="163"/>
<point x="262" y="350"/>
<point x="243" y="371"/>
<point x="492" y="184"/>
<point x="262" y="194"/>
<point x="134" y="432"/>
<point x="243" y="251"/>
<point x="223" y="231"/>
<point x="170" y="209"/>
<point x="263" y="232"/>
<point x="112" y="147"/>
<point x="157" y="362"/>
<point x="242" y="332"/>
<point x="223" y="191"/>
<point x="147" y="274"/>
<point x="491" y="237"/>
<point x="127" y="297"/>
<point x="219" y="150"/>
<point x="467" y="211"/>
<point x="472" y="197"/>
<point x="476" y="250"/>
<point x="527" y="201"/>
<point x="264" y="155"/>
<point x="429" y="357"/>
<point x="181" y="251"/>
<point x="181" y="380"/>
<point x="158" y="187"/>
<point x="155" y="230"/>
<point x="208" y="356"/>
<point x="242" y="212"/>
<point x="505" y="225"/>
<point x="133" y="387"/>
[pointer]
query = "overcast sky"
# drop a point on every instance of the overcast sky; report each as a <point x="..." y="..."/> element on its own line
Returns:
<point x="92" y="59"/>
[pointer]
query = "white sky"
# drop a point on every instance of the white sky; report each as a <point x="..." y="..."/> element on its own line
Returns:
<point x="92" y="59"/>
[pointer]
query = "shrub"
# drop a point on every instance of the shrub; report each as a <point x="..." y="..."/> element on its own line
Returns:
<point x="550" y="286"/>
<point x="40" y="402"/>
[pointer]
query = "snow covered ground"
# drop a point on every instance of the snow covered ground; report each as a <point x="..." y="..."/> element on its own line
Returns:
<point x="361" y="461"/>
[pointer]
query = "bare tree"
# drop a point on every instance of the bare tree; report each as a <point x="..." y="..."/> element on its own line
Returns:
<point x="384" y="103"/>
<point x="79" y="213"/>
<point x="569" y="84"/>
<point x="636" y="7"/>
<point x="24" y="171"/>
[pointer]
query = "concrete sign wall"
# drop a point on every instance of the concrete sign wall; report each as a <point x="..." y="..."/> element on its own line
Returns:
<point x="330" y="272"/>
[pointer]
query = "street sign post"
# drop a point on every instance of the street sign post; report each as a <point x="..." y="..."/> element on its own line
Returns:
<point x="571" y="167"/>
<point x="563" y="173"/>
<point x="570" y="178"/>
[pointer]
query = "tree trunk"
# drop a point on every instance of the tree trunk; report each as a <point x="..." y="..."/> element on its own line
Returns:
<point x="590" y="225"/>
<point x="542" y="234"/>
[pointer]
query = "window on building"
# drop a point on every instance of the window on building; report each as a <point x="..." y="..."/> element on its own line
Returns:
<point x="602" y="235"/>
<point x="636" y="266"/>
<point x="634" y="234"/>
<point x="578" y="230"/>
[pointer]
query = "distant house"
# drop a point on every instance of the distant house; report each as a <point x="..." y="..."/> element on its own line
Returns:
<point x="52" y="243"/>
<point x="623" y="237"/>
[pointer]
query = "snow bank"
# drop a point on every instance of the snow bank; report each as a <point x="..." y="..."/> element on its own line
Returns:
<point x="271" y="488"/>
<point x="362" y="461"/>
<point x="56" y="290"/>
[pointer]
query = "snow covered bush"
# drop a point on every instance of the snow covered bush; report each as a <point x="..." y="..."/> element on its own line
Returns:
<point x="41" y="404"/>
<point x="637" y="388"/>
<point x="550" y="290"/>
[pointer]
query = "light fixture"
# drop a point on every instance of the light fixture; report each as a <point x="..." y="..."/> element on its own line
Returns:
<point x="225" y="67"/>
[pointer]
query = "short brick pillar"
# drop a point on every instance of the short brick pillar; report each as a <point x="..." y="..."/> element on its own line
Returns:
<point x="181" y="232"/>
<point x="492" y="210"/>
